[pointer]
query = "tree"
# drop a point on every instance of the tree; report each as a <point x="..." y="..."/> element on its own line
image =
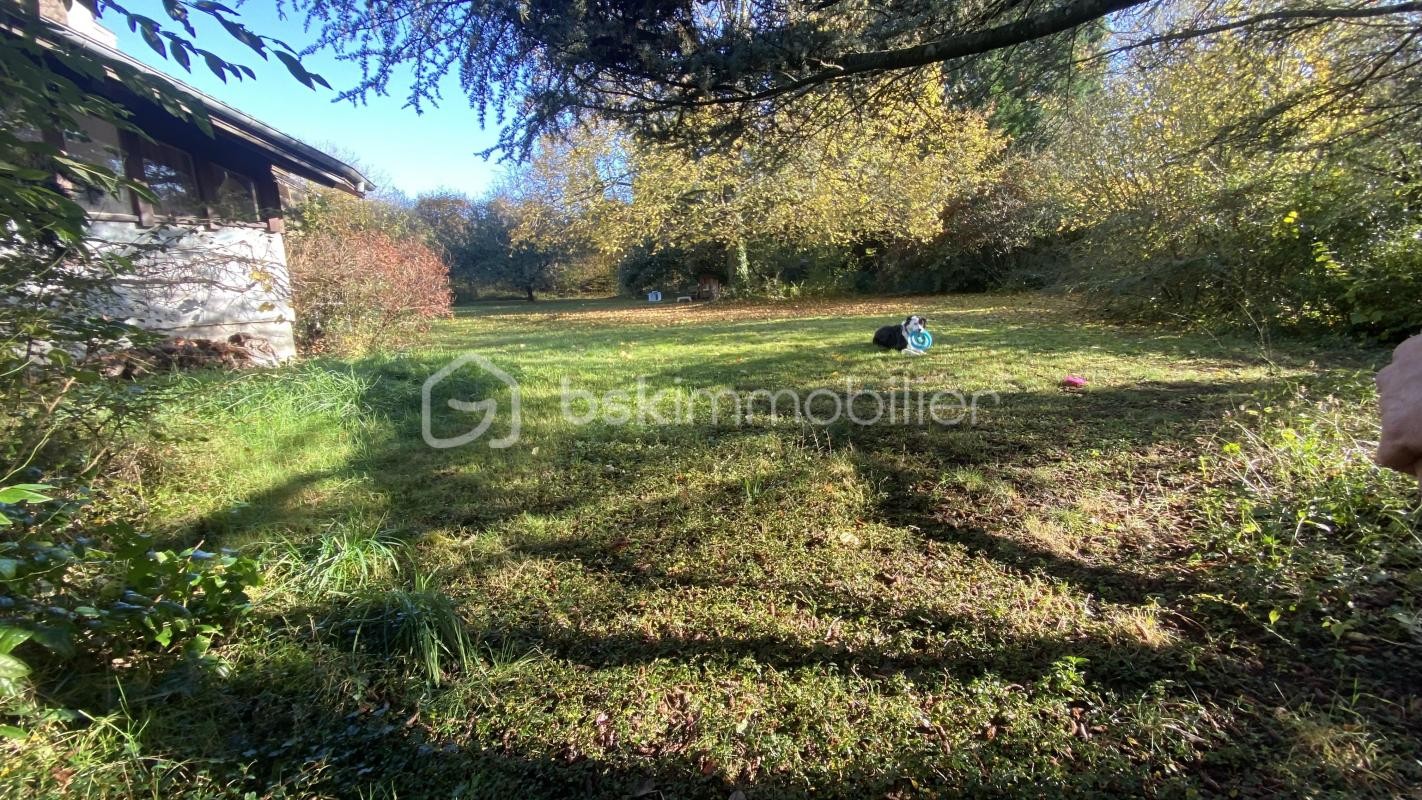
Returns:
<point x="451" y="219"/>
<point x="1221" y="182"/>
<point x="494" y="245"/>
<point x="886" y="174"/>
<point x="559" y="203"/>
<point x="448" y="215"/>
<point x="520" y="255"/>
<point x="552" y="63"/>
<point x="1026" y="86"/>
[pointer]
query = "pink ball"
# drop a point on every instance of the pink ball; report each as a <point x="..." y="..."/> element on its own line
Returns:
<point x="1073" y="381"/>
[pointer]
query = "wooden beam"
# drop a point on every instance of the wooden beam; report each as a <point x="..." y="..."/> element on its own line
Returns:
<point x="133" y="168"/>
<point x="269" y="200"/>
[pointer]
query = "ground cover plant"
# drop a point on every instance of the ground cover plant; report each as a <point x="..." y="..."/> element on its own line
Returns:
<point x="1186" y="579"/>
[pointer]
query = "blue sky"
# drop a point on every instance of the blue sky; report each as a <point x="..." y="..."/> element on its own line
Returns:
<point x="397" y="147"/>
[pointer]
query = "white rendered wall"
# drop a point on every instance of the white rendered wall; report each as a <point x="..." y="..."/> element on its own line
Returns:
<point x="203" y="283"/>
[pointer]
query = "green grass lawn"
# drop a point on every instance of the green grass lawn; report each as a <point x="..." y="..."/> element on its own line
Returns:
<point x="1185" y="579"/>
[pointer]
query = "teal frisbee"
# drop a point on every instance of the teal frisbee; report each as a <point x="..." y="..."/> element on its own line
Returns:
<point x="920" y="340"/>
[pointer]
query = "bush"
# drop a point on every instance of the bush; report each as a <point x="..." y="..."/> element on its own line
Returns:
<point x="362" y="280"/>
<point x="71" y="590"/>
<point x="1173" y="220"/>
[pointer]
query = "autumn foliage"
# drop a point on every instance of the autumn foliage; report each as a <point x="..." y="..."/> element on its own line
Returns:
<point x="362" y="280"/>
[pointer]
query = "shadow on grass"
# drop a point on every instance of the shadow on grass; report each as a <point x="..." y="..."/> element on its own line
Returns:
<point x="280" y="738"/>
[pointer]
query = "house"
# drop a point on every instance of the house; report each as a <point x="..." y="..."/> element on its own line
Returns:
<point x="215" y="261"/>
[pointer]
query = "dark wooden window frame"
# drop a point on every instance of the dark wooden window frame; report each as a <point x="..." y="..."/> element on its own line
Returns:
<point x="205" y="172"/>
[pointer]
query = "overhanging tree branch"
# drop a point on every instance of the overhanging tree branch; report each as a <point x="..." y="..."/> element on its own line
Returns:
<point x="1322" y="14"/>
<point x="1052" y="22"/>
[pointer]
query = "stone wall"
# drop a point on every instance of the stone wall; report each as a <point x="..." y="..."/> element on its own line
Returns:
<point x="203" y="283"/>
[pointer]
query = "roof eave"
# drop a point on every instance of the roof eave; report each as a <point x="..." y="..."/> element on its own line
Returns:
<point x="288" y="152"/>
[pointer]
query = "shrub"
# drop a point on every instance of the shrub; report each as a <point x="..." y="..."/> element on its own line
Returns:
<point x="364" y="291"/>
<point x="70" y="590"/>
<point x="1171" y="219"/>
<point x="360" y="280"/>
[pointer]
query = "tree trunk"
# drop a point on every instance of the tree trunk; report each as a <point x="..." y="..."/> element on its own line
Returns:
<point x="529" y="290"/>
<point x="740" y="264"/>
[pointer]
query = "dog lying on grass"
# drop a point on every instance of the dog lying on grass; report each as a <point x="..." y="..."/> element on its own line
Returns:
<point x="896" y="337"/>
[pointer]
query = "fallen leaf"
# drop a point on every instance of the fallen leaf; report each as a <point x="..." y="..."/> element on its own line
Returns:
<point x="606" y="736"/>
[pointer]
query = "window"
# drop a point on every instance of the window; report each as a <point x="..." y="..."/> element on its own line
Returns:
<point x="234" y="197"/>
<point x="169" y="174"/>
<point x="183" y="186"/>
<point x="97" y="142"/>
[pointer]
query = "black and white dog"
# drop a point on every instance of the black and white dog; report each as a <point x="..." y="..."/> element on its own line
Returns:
<point x="896" y="337"/>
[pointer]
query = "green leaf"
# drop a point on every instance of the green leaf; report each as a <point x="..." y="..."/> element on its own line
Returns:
<point x="57" y="640"/>
<point x="24" y="173"/>
<point x="150" y="36"/>
<point x="12" y="668"/>
<point x="217" y="65"/>
<point x="8" y="566"/>
<point x="179" y="14"/>
<point x="211" y="7"/>
<point x="293" y="65"/>
<point x="180" y="55"/>
<point x="10" y="638"/>
<point x="11" y="732"/>
<point x="244" y="36"/>
<point x="29" y="492"/>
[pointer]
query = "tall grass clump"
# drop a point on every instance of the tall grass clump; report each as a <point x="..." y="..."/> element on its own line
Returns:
<point x="1306" y="526"/>
<point x="294" y="392"/>
<point x="341" y="562"/>
<point x="419" y="625"/>
<point x="231" y="445"/>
